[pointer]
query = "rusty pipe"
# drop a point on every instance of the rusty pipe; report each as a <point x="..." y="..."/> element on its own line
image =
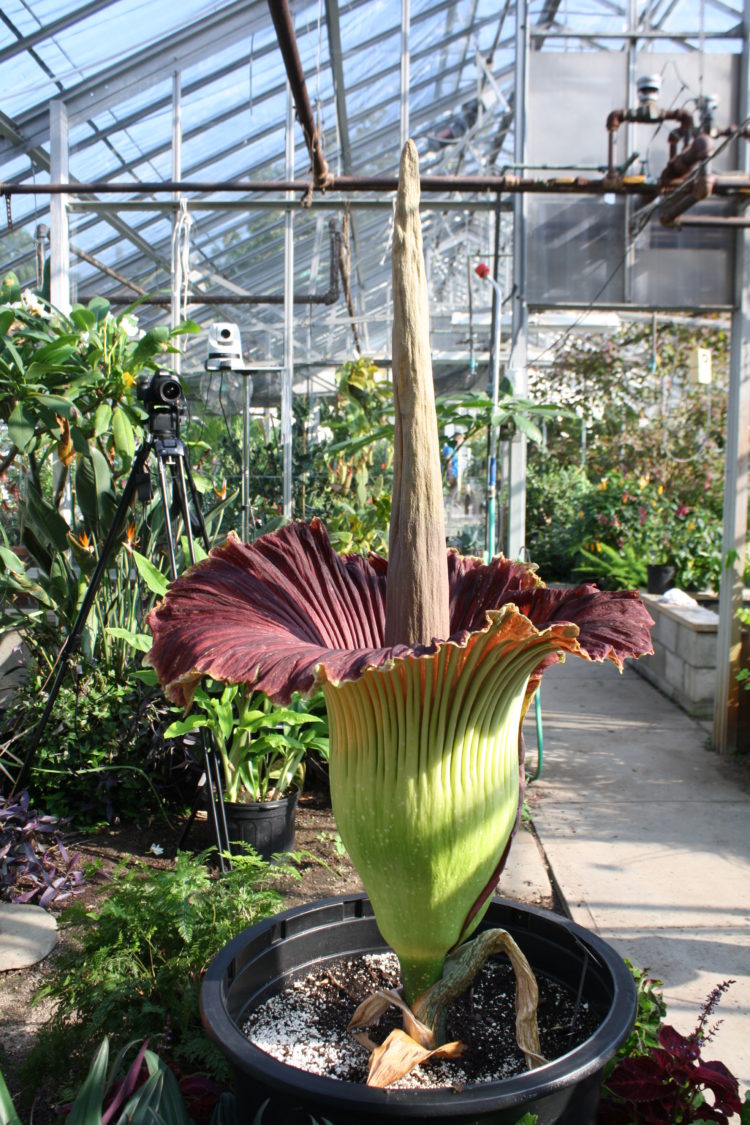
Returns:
<point x="560" y="185"/>
<point x="641" y="116"/>
<point x="287" y="40"/>
<point x="685" y="197"/>
<point x="699" y="151"/>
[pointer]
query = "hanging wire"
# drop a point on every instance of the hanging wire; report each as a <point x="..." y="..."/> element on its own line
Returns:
<point x="181" y="256"/>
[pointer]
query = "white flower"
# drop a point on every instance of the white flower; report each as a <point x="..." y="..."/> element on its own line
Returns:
<point x="156" y="849"/>
<point x="31" y="302"/>
<point x="129" y="325"/>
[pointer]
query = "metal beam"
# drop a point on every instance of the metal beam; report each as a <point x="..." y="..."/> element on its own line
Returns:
<point x="728" y="639"/>
<point x="154" y="62"/>
<point x="59" y="248"/>
<point x="324" y="202"/>
<point x="517" y="361"/>
<point x="333" y="29"/>
<point x="47" y="31"/>
<point x="287" y="375"/>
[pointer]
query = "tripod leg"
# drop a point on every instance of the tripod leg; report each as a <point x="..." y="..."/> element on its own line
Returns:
<point x="74" y="637"/>
<point x="167" y="518"/>
<point x="196" y="503"/>
<point x="216" y="809"/>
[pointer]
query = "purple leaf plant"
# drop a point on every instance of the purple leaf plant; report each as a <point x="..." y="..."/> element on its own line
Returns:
<point x="35" y="865"/>
<point x="672" y="1082"/>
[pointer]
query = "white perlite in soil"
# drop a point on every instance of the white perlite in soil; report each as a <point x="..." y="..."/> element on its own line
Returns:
<point x="305" y="1025"/>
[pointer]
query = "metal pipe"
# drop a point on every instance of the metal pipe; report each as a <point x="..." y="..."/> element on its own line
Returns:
<point x="681" y="163"/>
<point x="283" y="23"/>
<point x="330" y="297"/>
<point x="561" y="185"/>
<point x="726" y="221"/>
<point x="482" y="270"/>
<point x="640" y="116"/>
<point x="404" y="76"/>
<point x="176" y="273"/>
<point x="681" y="200"/>
<point x="287" y="373"/>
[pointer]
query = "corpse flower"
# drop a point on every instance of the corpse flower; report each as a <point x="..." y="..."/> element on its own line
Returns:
<point x="427" y="662"/>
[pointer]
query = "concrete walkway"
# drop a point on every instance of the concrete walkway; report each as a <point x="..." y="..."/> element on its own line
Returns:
<point x="647" y="835"/>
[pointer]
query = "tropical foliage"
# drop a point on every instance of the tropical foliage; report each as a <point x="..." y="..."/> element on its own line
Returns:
<point x="135" y="970"/>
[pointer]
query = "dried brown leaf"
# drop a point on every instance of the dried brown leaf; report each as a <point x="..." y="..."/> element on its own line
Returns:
<point x="400" y="1053"/>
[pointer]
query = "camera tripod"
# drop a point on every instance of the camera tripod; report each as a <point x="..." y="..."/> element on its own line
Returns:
<point x="163" y="440"/>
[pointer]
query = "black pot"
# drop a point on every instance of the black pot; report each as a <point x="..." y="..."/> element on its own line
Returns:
<point x="263" y="958"/>
<point x="267" y="825"/>
<point x="660" y="578"/>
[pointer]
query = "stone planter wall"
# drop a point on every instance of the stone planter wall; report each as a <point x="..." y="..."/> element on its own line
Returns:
<point x="684" y="662"/>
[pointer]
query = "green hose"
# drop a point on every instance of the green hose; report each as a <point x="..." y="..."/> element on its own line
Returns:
<point x="539" y="739"/>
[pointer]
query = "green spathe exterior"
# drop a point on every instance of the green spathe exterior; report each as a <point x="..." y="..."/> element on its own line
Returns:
<point x="425" y="782"/>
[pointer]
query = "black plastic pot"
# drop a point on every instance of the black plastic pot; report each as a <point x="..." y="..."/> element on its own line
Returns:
<point x="263" y="958"/>
<point x="267" y="825"/>
<point x="660" y="578"/>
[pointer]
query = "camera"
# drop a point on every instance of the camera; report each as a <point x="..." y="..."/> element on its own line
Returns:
<point x="224" y="347"/>
<point x="160" y="389"/>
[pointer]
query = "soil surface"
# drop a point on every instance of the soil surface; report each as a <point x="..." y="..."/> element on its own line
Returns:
<point x="306" y="1024"/>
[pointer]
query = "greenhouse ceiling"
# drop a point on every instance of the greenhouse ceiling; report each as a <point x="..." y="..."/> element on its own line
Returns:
<point x="155" y="92"/>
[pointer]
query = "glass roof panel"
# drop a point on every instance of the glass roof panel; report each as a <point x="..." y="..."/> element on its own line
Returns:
<point x="233" y="114"/>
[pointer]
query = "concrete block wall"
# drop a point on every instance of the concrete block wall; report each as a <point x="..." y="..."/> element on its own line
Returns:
<point x="684" y="662"/>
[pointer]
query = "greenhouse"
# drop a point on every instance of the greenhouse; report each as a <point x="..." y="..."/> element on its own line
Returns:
<point x="361" y="363"/>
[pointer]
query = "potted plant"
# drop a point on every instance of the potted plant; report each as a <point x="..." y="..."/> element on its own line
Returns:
<point x="262" y="748"/>
<point x="427" y="663"/>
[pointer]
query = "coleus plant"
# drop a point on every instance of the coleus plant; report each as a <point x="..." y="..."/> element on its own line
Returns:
<point x="427" y="662"/>
<point x="671" y="1081"/>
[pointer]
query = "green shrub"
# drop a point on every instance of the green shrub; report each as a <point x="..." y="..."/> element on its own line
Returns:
<point x="555" y="498"/>
<point x="89" y="766"/>
<point x="135" y="968"/>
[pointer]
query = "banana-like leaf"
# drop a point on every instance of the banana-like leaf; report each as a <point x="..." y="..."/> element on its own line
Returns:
<point x="123" y="434"/>
<point x="21" y="426"/>
<point x="93" y="482"/>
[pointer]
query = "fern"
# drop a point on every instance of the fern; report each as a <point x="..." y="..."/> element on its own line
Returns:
<point x="136" y="968"/>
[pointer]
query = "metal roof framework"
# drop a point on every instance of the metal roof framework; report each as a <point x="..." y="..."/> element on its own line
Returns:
<point x="130" y="90"/>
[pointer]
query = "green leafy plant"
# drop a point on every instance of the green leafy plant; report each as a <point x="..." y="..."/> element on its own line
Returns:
<point x="136" y="967"/>
<point x="106" y="1099"/>
<point x="555" y="498"/>
<point x="8" y="1114"/>
<point x="649" y="1016"/>
<point x="623" y="569"/>
<point x="147" y="1094"/>
<point x="99" y="758"/>
<point x="73" y="421"/>
<point x="262" y="746"/>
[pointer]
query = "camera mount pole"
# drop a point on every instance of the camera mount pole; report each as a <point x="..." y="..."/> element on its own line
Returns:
<point x="170" y="451"/>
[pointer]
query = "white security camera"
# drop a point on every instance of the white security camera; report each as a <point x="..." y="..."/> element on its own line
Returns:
<point x="224" y="347"/>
